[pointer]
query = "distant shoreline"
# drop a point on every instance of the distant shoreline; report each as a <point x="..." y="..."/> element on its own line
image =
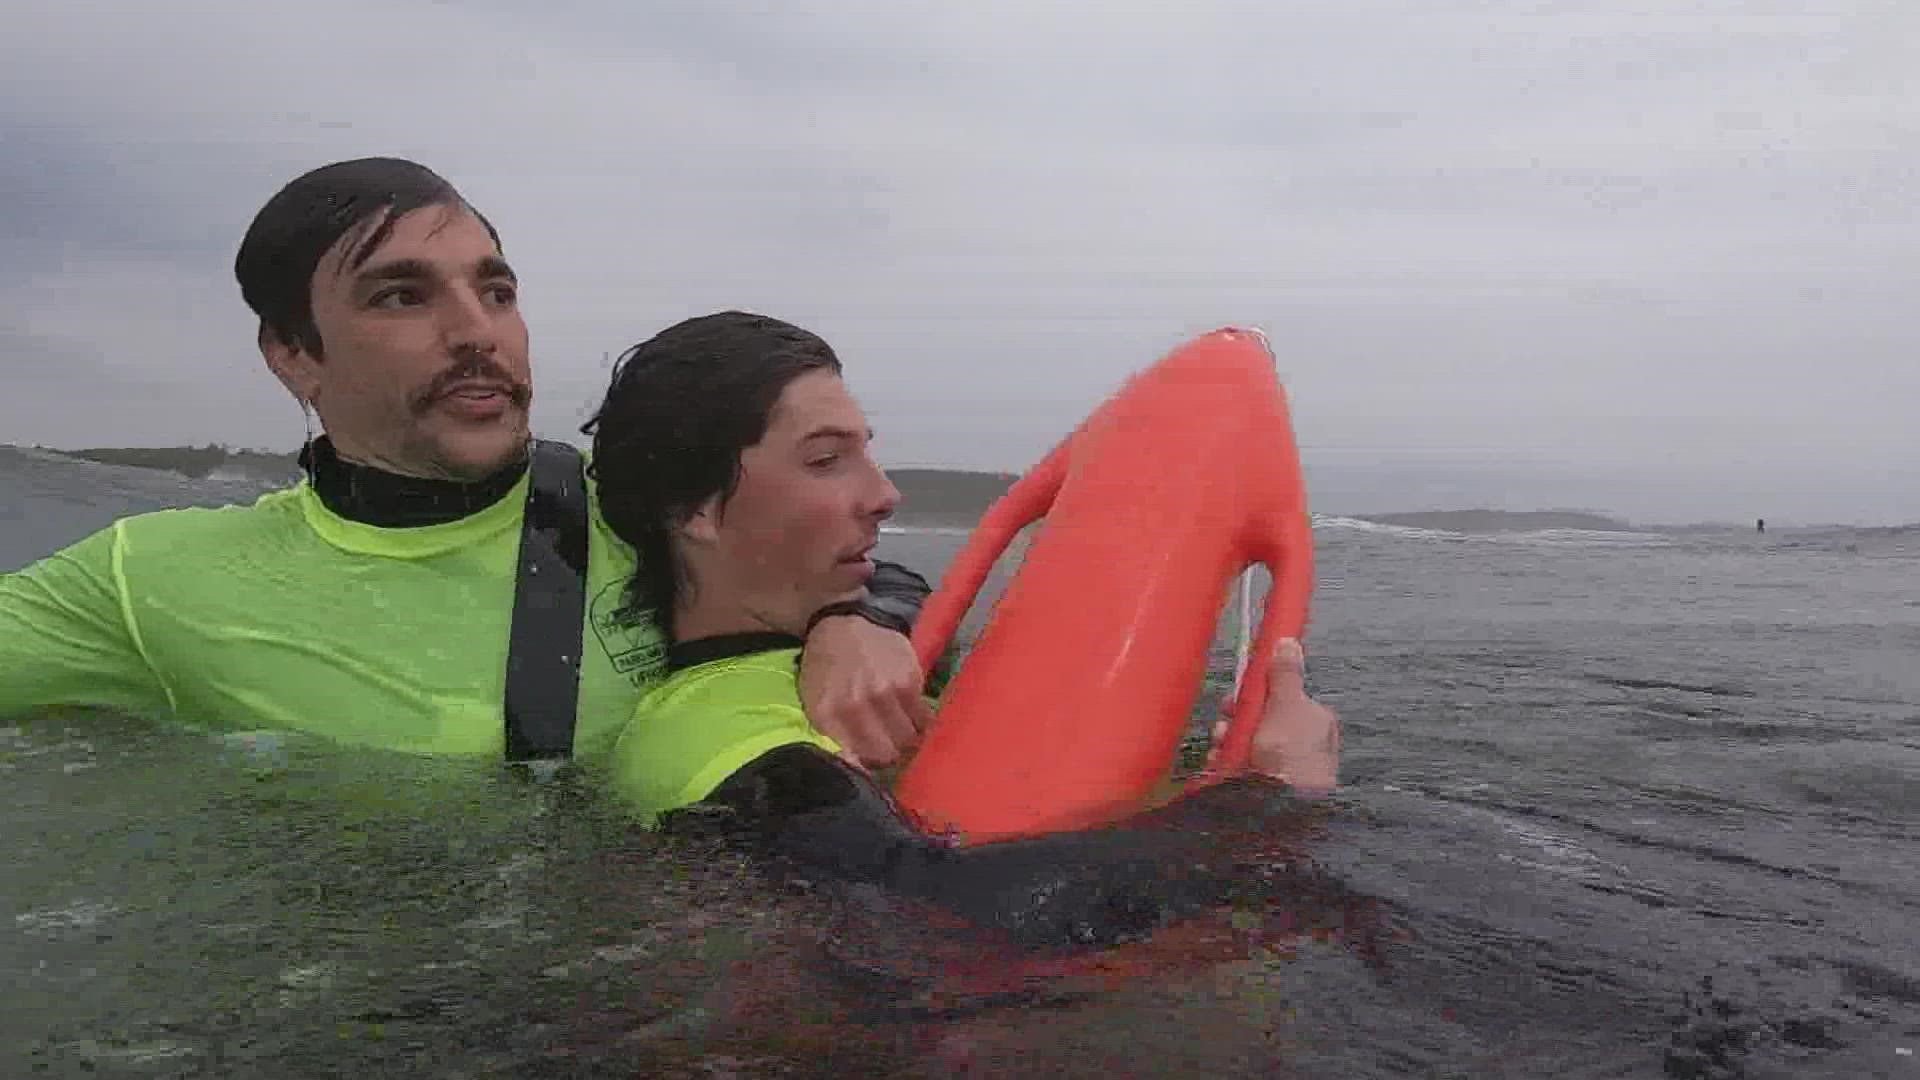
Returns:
<point x="933" y="497"/>
<point x="1481" y="520"/>
<point x="193" y="462"/>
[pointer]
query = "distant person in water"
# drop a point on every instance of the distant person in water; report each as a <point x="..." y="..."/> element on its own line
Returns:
<point x="730" y="455"/>
<point x="1760" y="525"/>
<point x="372" y="603"/>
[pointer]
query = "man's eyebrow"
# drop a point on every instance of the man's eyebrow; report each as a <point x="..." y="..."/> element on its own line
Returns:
<point x="397" y="270"/>
<point x="493" y="266"/>
<point x="833" y="432"/>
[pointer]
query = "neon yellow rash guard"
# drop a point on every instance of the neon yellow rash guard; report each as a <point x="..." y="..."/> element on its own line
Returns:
<point x="702" y="723"/>
<point x="284" y="615"/>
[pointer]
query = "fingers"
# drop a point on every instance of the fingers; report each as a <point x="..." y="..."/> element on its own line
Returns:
<point x="863" y="742"/>
<point x="867" y="737"/>
<point x="875" y="728"/>
<point x="1288" y="674"/>
<point x="898" y="719"/>
<point x="860" y="686"/>
<point x="918" y="709"/>
<point x="1298" y="740"/>
<point x="1285" y="681"/>
<point x="1218" y="733"/>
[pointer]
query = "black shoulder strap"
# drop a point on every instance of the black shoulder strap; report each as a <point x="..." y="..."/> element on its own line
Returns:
<point x="549" y="599"/>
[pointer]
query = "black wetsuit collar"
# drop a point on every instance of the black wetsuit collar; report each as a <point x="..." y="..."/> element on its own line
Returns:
<point x="685" y="654"/>
<point x="387" y="500"/>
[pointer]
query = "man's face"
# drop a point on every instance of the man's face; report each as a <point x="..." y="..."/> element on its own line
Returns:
<point x="423" y="353"/>
<point x="801" y="525"/>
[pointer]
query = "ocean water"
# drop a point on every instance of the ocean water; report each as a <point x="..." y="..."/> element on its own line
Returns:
<point x="1616" y="805"/>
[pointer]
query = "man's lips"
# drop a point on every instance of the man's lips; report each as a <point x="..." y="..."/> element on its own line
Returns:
<point x="476" y="391"/>
<point x="479" y="401"/>
<point x="480" y="389"/>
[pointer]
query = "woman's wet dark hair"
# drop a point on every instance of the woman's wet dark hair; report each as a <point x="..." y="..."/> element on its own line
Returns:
<point x="682" y="406"/>
<point x="304" y="219"/>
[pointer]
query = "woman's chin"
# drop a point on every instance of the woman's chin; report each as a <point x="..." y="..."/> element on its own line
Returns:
<point x="852" y="574"/>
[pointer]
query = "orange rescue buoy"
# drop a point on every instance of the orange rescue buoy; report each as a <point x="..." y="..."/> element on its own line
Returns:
<point x="1070" y="706"/>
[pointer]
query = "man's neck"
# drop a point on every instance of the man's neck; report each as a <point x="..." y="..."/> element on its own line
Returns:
<point x="376" y="496"/>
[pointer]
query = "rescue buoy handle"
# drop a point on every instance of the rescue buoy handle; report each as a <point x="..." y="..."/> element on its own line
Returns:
<point x="1025" y="502"/>
<point x="1283" y="543"/>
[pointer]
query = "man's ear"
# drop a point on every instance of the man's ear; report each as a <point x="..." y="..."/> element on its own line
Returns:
<point x="702" y="526"/>
<point x="296" y="369"/>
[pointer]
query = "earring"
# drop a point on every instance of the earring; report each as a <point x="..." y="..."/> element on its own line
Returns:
<point x="306" y="448"/>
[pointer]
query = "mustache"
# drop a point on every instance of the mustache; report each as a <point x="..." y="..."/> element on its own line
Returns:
<point x="471" y="367"/>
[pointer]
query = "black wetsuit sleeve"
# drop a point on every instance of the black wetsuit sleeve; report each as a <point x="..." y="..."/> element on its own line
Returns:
<point x="903" y="588"/>
<point x="905" y="592"/>
<point x="808" y="807"/>
<point x="897" y="593"/>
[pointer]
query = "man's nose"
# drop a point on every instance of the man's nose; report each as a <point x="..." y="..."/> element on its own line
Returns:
<point x="466" y="322"/>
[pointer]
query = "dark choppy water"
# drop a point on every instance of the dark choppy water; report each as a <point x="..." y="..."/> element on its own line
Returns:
<point x="1631" y="806"/>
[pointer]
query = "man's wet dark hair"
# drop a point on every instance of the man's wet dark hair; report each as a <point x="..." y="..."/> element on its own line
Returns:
<point x="303" y="220"/>
<point x="682" y="406"/>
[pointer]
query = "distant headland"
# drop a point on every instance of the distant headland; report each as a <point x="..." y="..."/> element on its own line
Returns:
<point x="196" y="462"/>
<point x="931" y="497"/>
<point x="1484" y="521"/>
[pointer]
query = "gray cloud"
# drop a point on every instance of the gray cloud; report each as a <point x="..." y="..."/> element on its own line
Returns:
<point x="1585" y="245"/>
<point x="67" y="194"/>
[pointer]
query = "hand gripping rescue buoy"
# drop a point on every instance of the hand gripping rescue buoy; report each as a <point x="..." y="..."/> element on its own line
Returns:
<point x="1070" y="706"/>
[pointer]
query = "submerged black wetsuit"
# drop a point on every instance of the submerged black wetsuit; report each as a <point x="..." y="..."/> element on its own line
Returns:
<point x="1096" y="887"/>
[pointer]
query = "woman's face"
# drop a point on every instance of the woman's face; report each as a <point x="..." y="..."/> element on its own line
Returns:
<point x="801" y="525"/>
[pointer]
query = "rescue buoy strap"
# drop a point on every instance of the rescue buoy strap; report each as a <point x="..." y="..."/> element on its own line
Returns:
<point x="549" y="601"/>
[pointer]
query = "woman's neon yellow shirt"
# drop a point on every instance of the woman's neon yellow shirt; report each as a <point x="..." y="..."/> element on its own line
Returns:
<point x="702" y="723"/>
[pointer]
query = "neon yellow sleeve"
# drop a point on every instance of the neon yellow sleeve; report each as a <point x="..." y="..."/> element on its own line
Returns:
<point x="683" y="742"/>
<point x="65" y="634"/>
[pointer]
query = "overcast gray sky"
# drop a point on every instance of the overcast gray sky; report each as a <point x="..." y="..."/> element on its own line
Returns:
<point x="1658" y="258"/>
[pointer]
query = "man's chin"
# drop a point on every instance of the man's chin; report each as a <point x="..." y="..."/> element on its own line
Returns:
<point x="476" y="455"/>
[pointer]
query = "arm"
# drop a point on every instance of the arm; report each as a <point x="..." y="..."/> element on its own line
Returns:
<point x="802" y="803"/>
<point x="814" y="811"/>
<point x="860" y="683"/>
<point x="65" y="638"/>
<point x="899" y="589"/>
